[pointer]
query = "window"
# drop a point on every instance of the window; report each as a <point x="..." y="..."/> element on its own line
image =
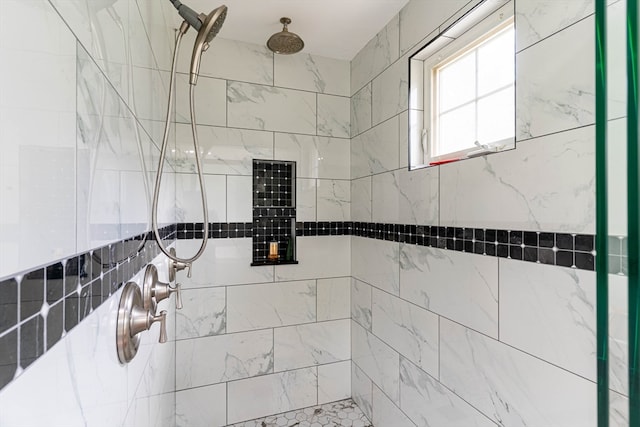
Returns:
<point x="462" y="90"/>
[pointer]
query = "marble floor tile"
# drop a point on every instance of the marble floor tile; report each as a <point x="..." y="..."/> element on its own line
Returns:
<point x="342" y="413"/>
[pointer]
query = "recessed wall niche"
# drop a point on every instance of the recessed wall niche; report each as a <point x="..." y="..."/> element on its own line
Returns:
<point x="274" y="212"/>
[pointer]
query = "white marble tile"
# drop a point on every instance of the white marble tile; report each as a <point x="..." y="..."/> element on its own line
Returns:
<point x="318" y="257"/>
<point x="137" y="41"/>
<point x="334" y="298"/>
<point x="135" y="202"/>
<point x="410" y="330"/>
<point x="224" y="150"/>
<point x="245" y="62"/>
<point x="202" y="406"/>
<point x="376" y="150"/>
<point x="362" y="390"/>
<point x="156" y="411"/>
<point x="406" y="197"/>
<point x="149" y="94"/>
<point x="561" y="95"/>
<point x="419" y="18"/>
<point x="239" y="198"/>
<point x="380" y="52"/>
<point x="315" y="156"/>
<point x="386" y="413"/>
<point x="334" y="382"/>
<point x="167" y="209"/>
<point x="361" y="199"/>
<point x="210" y="99"/>
<point x="549" y="312"/>
<point x="312" y="344"/>
<point x="509" y="386"/>
<point x="489" y="192"/>
<point x="75" y="14"/>
<point x="313" y="73"/>
<point x="361" y="303"/>
<point x="189" y="202"/>
<point x="334" y="116"/>
<point x="419" y="196"/>
<point x="334" y="200"/>
<point x="376" y="359"/>
<point x="217" y="359"/>
<point x="306" y="199"/>
<point x="361" y="111"/>
<point x="403" y="143"/>
<point x="37" y="137"/>
<point x="385" y="190"/>
<point x="460" y="286"/>
<point x="377" y="263"/>
<point x="537" y="20"/>
<point x="159" y="31"/>
<point x="269" y="108"/>
<point x="390" y="91"/>
<point x="224" y="262"/>
<point x="40" y="180"/>
<point x="162" y="358"/>
<point x="427" y="402"/>
<point x="271" y="394"/>
<point x="271" y="304"/>
<point x="53" y="379"/>
<point x="203" y="313"/>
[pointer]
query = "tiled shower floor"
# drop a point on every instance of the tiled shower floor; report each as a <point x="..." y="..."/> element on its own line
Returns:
<point x="343" y="413"/>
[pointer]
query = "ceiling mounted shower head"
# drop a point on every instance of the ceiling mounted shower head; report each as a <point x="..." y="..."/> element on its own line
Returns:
<point x="285" y="42"/>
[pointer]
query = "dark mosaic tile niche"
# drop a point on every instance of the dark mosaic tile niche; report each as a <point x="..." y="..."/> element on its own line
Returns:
<point x="274" y="212"/>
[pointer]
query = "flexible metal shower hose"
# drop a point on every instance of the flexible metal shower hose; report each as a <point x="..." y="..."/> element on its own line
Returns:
<point x="196" y="146"/>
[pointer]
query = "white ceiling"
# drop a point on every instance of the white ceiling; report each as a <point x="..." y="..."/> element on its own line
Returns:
<point x="333" y="28"/>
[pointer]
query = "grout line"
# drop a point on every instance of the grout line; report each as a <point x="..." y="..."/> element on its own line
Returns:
<point x="584" y="18"/>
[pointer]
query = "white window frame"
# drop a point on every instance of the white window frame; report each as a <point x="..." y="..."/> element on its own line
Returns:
<point x="437" y="151"/>
<point x="452" y="44"/>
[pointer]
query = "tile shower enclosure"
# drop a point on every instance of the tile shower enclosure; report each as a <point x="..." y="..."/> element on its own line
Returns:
<point x="403" y="327"/>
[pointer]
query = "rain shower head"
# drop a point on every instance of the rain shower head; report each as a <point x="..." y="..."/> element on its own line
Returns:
<point x="285" y="42"/>
<point x="207" y="27"/>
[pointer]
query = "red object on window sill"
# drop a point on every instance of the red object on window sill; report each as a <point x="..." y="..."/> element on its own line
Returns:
<point x="442" y="162"/>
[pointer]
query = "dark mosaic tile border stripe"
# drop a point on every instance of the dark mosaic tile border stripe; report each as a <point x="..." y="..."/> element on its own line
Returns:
<point x="561" y="249"/>
<point x="38" y="307"/>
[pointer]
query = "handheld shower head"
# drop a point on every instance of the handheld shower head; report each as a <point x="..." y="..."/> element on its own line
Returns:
<point x="211" y="25"/>
<point x="207" y="27"/>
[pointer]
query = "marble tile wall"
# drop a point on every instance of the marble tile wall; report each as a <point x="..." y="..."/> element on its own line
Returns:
<point x="81" y="109"/>
<point x="450" y="338"/>
<point x="278" y="335"/>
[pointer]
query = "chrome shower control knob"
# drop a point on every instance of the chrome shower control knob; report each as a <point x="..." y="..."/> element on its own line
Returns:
<point x="162" y="318"/>
<point x="133" y="318"/>
<point x="175" y="266"/>
<point x="141" y="320"/>
<point x="164" y="290"/>
<point x="155" y="291"/>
